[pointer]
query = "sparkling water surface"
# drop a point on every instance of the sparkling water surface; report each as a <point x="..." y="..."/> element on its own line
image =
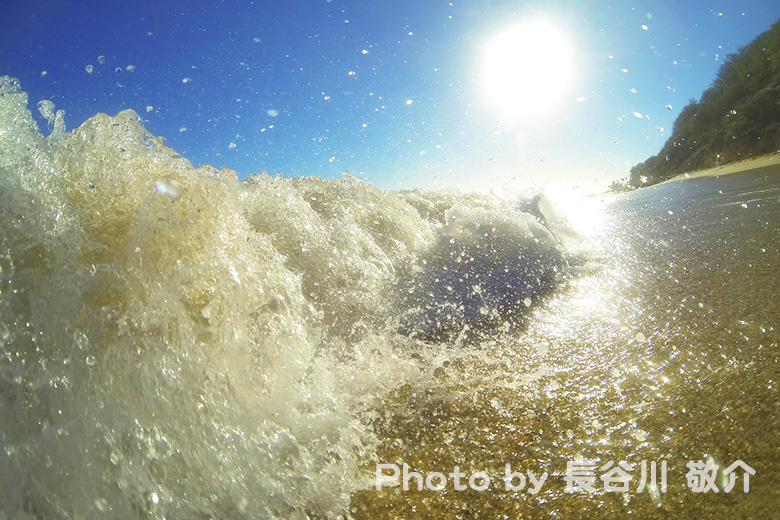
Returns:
<point x="177" y="343"/>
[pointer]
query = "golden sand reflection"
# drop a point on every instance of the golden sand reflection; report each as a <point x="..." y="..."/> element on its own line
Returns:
<point x="574" y="385"/>
<point x="615" y="367"/>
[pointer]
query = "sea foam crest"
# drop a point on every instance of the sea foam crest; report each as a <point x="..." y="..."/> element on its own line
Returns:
<point x="177" y="340"/>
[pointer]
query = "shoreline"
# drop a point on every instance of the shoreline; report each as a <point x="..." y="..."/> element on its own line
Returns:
<point x="741" y="166"/>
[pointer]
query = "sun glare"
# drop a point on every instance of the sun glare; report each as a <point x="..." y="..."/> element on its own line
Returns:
<point x="526" y="69"/>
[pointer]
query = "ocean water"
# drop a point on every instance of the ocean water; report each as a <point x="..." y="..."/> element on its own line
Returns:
<point x="666" y="353"/>
<point x="177" y="343"/>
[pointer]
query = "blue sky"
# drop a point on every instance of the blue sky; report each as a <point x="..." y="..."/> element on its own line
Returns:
<point x="392" y="91"/>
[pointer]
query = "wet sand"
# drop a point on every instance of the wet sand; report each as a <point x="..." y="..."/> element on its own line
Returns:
<point x="767" y="162"/>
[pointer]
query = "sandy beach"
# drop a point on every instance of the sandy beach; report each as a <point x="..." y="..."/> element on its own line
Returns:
<point x="765" y="161"/>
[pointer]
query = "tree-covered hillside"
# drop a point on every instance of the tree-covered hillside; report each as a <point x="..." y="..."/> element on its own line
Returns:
<point x="737" y="117"/>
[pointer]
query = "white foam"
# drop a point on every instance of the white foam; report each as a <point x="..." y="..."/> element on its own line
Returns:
<point x="212" y="351"/>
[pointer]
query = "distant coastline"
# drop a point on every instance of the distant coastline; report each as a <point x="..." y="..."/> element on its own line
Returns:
<point x="745" y="165"/>
<point x="738" y="116"/>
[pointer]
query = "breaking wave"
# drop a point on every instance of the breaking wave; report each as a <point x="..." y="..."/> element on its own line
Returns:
<point x="177" y="340"/>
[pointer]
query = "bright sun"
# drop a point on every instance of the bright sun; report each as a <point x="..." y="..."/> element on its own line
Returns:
<point x="526" y="69"/>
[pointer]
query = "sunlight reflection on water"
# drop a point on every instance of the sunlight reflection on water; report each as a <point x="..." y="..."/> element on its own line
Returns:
<point x="648" y="355"/>
<point x="587" y="214"/>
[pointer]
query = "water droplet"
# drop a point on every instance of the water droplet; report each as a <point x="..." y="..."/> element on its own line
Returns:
<point x="101" y="504"/>
<point x="46" y="108"/>
<point x="169" y="188"/>
<point x="115" y="457"/>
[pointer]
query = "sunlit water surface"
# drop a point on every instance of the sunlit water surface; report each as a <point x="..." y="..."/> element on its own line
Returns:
<point x="180" y="344"/>
<point x="666" y="351"/>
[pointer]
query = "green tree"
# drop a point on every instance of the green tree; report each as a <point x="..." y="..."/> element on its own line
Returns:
<point x="738" y="116"/>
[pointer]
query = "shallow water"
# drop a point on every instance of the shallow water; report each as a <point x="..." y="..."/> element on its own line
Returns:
<point x="668" y="352"/>
<point x="180" y="344"/>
